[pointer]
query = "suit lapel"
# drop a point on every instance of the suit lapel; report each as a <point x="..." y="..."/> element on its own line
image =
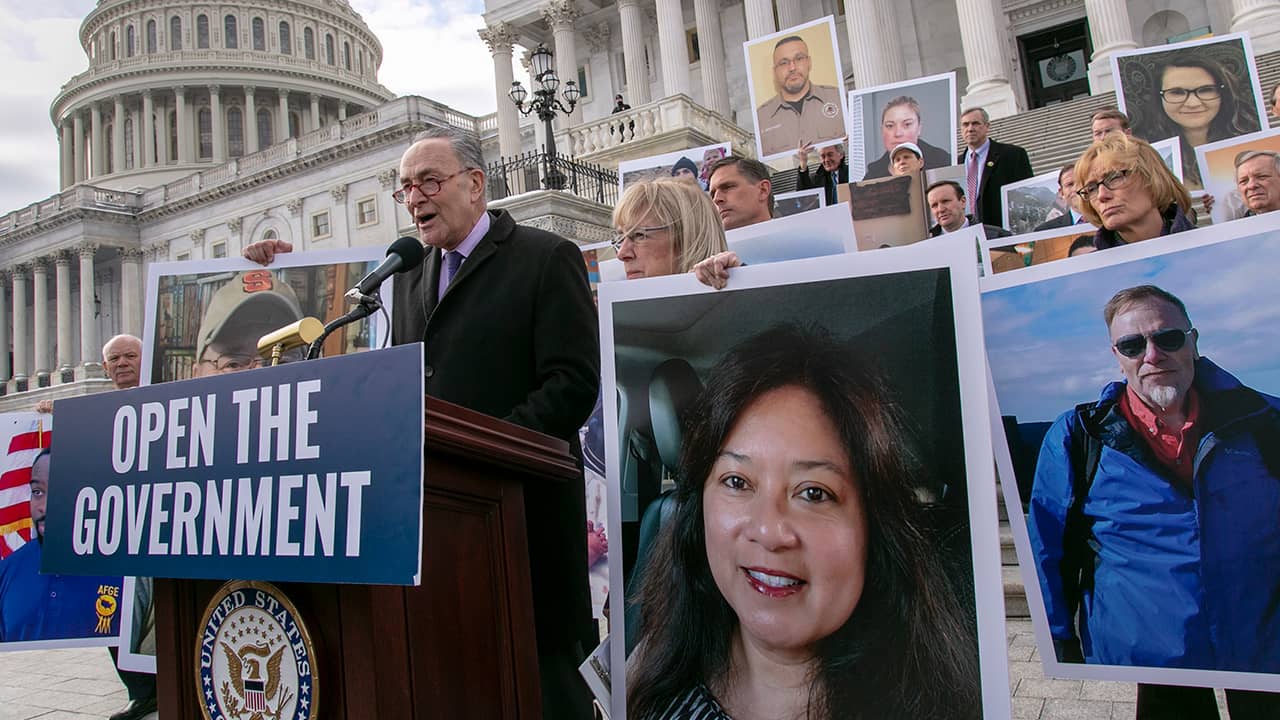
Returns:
<point x="993" y="156"/>
<point x="500" y="226"/>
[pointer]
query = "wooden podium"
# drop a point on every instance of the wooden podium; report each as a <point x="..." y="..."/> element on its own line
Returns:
<point x="461" y="644"/>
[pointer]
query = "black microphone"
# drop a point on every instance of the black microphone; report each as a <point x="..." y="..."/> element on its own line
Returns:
<point x="403" y="255"/>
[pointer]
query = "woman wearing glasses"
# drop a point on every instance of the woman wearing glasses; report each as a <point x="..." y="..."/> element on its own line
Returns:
<point x="1199" y="102"/>
<point x="665" y="227"/>
<point x="1127" y="191"/>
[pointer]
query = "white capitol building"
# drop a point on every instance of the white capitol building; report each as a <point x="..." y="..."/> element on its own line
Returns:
<point x="199" y="128"/>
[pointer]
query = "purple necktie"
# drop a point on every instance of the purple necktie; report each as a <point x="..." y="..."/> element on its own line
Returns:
<point x="974" y="171"/>
<point x="452" y="261"/>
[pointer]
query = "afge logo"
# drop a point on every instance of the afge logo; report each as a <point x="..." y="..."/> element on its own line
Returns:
<point x="255" y="657"/>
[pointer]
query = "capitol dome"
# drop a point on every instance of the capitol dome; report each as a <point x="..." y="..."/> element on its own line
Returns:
<point x="176" y="86"/>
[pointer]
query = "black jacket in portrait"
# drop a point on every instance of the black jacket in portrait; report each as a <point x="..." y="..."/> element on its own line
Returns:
<point x="934" y="158"/>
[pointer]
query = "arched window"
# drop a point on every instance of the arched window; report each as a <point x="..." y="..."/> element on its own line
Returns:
<point x="265" y="136"/>
<point x="328" y="48"/>
<point x="108" y="147"/>
<point x="229" y="32"/>
<point x="286" y="40"/>
<point x="295" y="125"/>
<point x="204" y="122"/>
<point x="173" y="136"/>
<point x="259" y="35"/>
<point x="151" y="37"/>
<point x="309" y="43"/>
<point x="175" y="33"/>
<point x="111" y="47"/>
<point x="128" y="41"/>
<point x="270" y="235"/>
<point x="202" y="32"/>
<point x="235" y="132"/>
<point x="128" y="143"/>
<point x="346" y="55"/>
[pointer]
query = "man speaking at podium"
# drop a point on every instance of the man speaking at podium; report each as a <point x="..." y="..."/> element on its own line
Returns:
<point x="509" y="328"/>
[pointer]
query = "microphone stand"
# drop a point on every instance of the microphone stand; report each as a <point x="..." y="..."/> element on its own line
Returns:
<point x="366" y="305"/>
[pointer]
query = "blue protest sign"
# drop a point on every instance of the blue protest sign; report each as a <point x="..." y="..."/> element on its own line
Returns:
<point x="306" y="472"/>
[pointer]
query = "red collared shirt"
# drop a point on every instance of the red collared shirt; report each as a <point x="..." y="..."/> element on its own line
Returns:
<point x="1175" y="448"/>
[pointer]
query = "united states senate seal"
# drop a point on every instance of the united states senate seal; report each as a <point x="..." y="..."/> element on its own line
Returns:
<point x="254" y="656"/>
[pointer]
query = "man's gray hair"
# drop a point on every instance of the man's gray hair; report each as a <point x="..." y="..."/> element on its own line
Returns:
<point x="466" y="145"/>
<point x="123" y="336"/>
<point x="986" y="117"/>
<point x="1248" y="155"/>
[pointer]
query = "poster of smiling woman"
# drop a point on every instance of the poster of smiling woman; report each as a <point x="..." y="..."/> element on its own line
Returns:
<point x="797" y="88"/>
<point x="1200" y="91"/>
<point x="1143" y="430"/>
<point x="833" y="502"/>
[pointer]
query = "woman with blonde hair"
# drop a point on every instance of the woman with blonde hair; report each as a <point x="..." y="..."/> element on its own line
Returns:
<point x="1129" y="193"/>
<point x="665" y="227"/>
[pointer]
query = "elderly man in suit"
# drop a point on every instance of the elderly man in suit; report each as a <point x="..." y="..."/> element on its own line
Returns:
<point x="989" y="166"/>
<point x="509" y="326"/>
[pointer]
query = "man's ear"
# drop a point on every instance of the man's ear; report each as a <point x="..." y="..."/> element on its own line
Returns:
<point x="1195" y="344"/>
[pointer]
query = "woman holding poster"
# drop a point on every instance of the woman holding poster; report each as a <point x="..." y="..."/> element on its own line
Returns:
<point x="803" y="577"/>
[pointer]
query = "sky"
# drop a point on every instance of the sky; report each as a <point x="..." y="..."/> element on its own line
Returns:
<point x="40" y="50"/>
<point x="1048" y="345"/>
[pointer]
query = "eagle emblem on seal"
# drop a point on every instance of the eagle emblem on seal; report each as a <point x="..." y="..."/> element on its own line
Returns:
<point x="255" y="681"/>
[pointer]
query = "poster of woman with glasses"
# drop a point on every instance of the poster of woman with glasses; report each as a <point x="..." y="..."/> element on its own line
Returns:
<point x="796" y="83"/>
<point x="206" y="316"/>
<point x="1199" y="91"/>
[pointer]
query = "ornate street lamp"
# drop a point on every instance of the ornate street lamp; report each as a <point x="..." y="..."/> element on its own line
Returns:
<point x="545" y="104"/>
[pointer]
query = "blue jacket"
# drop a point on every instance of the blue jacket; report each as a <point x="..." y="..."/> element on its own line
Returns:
<point x="54" y="607"/>
<point x="1179" y="579"/>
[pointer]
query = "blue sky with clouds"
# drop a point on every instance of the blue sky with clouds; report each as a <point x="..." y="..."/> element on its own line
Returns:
<point x="1049" y="348"/>
<point x="430" y="48"/>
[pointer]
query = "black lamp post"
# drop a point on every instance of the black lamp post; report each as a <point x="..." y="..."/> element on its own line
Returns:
<point x="546" y="104"/>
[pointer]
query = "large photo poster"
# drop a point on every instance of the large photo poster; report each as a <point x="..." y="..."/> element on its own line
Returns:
<point x="42" y="610"/>
<point x="1200" y="91"/>
<point x="205" y="316"/>
<point x="693" y="164"/>
<point x="1142" y="428"/>
<point x="881" y="118"/>
<point x="808" y="436"/>
<point x="797" y="88"/>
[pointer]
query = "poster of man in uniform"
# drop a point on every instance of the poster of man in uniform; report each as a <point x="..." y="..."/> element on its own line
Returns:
<point x="881" y="118"/>
<point x="1141" y="422"/>
<point x="205" y="316"/>
<point x="797" y="88"/>
<point x="42" y="610"/>
<point x="1199" y="91"/>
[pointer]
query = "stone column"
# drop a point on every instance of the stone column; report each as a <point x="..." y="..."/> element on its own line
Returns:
<point x="77" y="146"/>
<point x="250" y="121"/>
<point x="759" y="18"/>
<point x="131" y="291"/>
<point x="500" y="37"/>
<point x="873" y="39"/>
<point x="790" y="14"/>
<point x="1261" y="19"/>
<point x="162" y="132"/>
<point x="184" y="128"/>
<point x="96" y="146"/>
<point x="90" y="347"/>
<point x="66" y="156"/>
<point x="5" y="370"/>
<point x="315" y="112"/>
<point x="1111" y="31"/>
<point x="282" y="118"/>
<point x="117" y="134"/>
<point x="342" y="109"/>
<point x="633" y="51"/>
<point x="675" y="54"/>
<point x="560" y="16"/>
<point x="715" y="83"/>
<point x="66" y="354"/>
<point x="219" y="122"/>
<point x="981" y="35"/>
<point x="148" y="151"/>
<point x="137" y="137"/>
<point x="21" y="343"/>
<point x="40" y="298"/>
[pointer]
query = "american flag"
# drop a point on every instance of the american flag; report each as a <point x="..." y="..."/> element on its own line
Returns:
<point x="28" y="434"/>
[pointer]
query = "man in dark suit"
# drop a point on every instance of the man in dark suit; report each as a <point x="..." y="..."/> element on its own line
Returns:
<point x="832" y="172"/>
<point x="989" y="166"/>
<point x="509" y="328"/>
<point x="1066" y="194"/>
<point x="946" y="203"/>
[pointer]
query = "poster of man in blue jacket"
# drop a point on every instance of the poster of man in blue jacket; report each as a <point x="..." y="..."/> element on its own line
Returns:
<point x="1153" y="500"/>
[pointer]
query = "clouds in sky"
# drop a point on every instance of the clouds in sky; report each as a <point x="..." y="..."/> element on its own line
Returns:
<point x="430" y="48"/>
<point x="1049" y="349"/>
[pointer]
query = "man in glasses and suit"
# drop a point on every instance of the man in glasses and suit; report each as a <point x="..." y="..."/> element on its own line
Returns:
<point x="1153" y="512"/>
